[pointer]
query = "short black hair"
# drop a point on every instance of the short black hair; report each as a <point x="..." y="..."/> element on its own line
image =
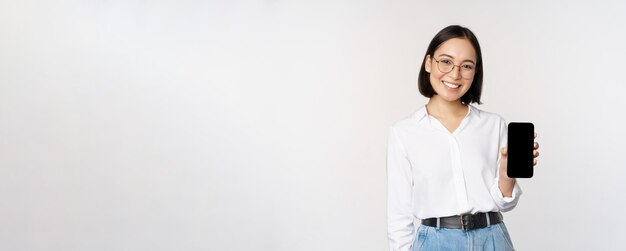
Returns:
<point x="453" y="31"/>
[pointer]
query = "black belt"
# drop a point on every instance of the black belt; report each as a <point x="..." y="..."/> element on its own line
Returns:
<point x="466" y="221"/>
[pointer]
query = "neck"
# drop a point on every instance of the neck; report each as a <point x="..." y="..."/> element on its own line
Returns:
<point x="440" y="107"/>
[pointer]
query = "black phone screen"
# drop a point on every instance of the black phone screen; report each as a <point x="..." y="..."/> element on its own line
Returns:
<point x="520" y="150"/>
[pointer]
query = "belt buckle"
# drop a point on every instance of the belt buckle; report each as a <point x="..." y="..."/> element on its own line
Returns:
<point x="467" y="223"/>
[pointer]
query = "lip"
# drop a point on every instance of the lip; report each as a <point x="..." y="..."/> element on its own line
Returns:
<point x="448" y="88"/>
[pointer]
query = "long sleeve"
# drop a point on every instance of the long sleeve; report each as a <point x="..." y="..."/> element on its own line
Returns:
<point x="504" y="203"/>
<point x="400" y="228"/>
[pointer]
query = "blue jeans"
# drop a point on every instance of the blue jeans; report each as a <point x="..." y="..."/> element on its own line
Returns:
<point x="492" y="238"/>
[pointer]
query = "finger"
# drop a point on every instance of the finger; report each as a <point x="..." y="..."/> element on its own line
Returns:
<point x="535" y="153"/>
<point x="534" y="162"/>
<point x="503" y="151"/>
<point x="535" y="135"/>
<point x="536" y="146"/>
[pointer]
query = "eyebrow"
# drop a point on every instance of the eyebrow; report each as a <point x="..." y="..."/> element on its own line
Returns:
<point x="453" y="58"/>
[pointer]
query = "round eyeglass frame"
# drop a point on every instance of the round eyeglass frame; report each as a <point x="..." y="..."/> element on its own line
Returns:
<point x="472" y="72"/>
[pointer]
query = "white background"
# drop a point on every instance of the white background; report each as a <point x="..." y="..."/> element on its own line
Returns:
<point x="262" y="125"/>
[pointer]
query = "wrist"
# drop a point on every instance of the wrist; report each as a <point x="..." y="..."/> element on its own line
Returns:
<point x="505" y="177"/>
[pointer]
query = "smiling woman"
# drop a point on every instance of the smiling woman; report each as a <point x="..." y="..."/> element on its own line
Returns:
<point x="446" y="162"/>
<point x="449" y="83"/>
<point x="450" y="45"/>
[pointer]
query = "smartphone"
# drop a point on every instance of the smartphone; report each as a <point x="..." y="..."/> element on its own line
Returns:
<point x="521" y="138"/>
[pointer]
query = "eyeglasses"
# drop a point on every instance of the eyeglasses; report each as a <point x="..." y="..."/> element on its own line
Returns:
<point x="445" y="65"/>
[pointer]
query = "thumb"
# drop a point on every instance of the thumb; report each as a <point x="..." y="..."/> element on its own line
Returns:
<point x="504" y="151"/>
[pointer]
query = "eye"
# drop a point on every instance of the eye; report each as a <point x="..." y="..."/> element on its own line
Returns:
<point x="468" y="67"/>
<point x="446" y="61"/>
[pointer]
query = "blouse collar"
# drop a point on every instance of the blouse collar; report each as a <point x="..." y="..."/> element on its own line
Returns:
<point x="422" y="113"/>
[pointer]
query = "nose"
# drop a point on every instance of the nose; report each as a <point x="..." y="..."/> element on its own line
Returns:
<point x="456" y="72"/>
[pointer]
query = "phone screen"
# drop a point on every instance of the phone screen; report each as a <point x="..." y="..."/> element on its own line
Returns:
<point x="520" y="150"/>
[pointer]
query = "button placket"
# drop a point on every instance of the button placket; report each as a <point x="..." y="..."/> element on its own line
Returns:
<point x="458" y="174"/>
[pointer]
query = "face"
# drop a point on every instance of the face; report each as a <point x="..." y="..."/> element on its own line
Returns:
<point x="451" y="86"/>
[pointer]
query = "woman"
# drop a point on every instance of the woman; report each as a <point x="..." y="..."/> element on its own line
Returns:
<point x="446" y="162"/>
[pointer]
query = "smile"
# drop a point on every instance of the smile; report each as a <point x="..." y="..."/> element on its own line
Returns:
<point x="451" y="86"/>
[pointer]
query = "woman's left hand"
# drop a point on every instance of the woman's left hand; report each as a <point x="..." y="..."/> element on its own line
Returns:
<point x="503" y="153"/>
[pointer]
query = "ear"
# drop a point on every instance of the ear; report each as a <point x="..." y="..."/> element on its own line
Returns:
<point x="427" y="63"/>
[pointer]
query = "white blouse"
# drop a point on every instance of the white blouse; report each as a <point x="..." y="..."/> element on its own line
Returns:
<point x="434" y="173"/>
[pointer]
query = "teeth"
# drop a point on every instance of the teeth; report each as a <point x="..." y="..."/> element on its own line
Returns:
<point x="451" y="85"/>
